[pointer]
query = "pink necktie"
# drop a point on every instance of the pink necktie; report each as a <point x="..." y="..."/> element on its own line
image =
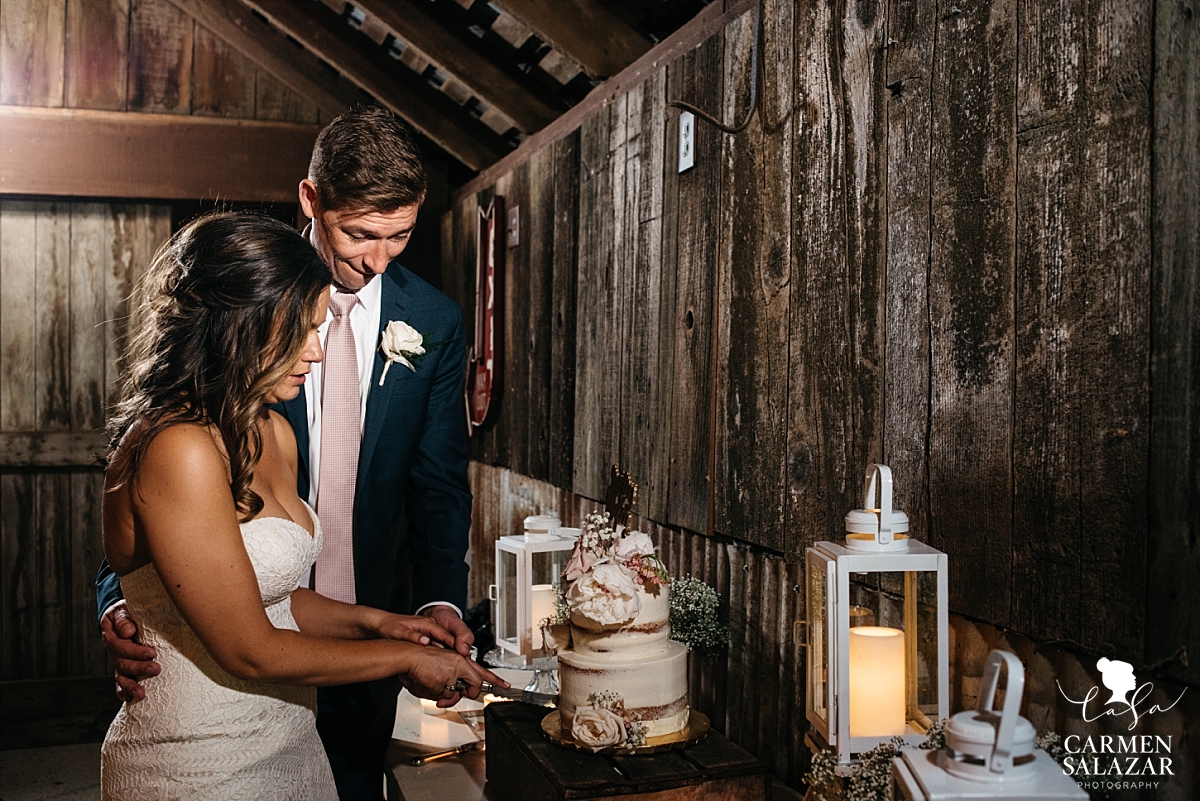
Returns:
<point x="340" y="439"/>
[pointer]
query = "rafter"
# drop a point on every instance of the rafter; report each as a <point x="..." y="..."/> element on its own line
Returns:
<point x="271" y="52"/>
<point x="475" y="148"/>
<point x="80" y="153"/>
<point x="485" y="80"/>
<point x="584" y="30"/>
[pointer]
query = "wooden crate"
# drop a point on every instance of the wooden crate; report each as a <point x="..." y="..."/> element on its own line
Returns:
<point x="522" y="765"/>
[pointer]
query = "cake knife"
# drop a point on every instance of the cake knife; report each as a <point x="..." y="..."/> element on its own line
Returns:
<point x="513" y="693"/>
<point x="478" y="745"/>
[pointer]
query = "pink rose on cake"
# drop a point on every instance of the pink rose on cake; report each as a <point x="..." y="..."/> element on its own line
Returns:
<point x="606" y="595"/>
<point x="581" y="561"/>
<point x="597" y="728"/>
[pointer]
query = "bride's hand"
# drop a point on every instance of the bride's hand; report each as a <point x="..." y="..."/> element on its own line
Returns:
<point x="416" y="629"/>
<point x="435" y="672"/>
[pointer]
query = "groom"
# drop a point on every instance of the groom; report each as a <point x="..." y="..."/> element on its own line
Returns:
<point x="381" y="432"/>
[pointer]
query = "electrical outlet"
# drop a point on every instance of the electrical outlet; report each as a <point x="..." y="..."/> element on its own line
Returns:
<point x="687" y="140"/>
<point x="514" y="226"/>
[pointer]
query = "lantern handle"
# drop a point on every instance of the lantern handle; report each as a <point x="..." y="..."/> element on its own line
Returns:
<point x="883" y="530"/>
<point x="1001" y="758"/>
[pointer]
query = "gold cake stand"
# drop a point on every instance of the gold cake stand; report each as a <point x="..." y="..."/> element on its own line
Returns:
<point x="695" y="731"/>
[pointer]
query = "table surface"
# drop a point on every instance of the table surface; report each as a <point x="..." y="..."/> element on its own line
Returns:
<point x="462" y="777"/>
<point x="457" y="778"/>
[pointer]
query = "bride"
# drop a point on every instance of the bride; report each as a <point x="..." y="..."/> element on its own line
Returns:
<point x="203" y="525"/>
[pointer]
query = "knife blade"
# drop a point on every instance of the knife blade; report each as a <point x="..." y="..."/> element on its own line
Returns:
<point x="514" y="693"/>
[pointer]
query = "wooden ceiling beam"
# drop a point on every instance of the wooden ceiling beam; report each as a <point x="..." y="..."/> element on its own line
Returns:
<point x="485" y="80"/>
<point x="583" y="30"/>
<point x="76" y="153"/>
<point x="300" y="21"/>
<point x="271" y="52"/>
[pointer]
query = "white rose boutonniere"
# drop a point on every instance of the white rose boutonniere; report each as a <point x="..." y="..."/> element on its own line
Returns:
<point x="401" y="343"/>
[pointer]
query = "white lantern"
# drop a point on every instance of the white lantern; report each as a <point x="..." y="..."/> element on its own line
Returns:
<point x="988" y="755"/>
<point x="528" y="569"/>
<point x="878" y="645"/>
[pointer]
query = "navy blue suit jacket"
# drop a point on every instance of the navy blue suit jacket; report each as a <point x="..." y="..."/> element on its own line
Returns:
<point x="412" y="470"/>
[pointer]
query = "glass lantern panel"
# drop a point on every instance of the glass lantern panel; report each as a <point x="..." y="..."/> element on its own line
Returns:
<point x="548" y="566"/>
<point x="925" y="644"/>
<point x="818" y="638"/>
<point x="507" y="629"/>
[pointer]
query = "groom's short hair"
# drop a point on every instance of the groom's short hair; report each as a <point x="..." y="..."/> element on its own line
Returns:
<point x="367" y="159"/>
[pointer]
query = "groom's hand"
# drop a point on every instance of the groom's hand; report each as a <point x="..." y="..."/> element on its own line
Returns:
<point x="418" y="629"/>
<point x="449" y="620"/>
<point x="134" y="661"/>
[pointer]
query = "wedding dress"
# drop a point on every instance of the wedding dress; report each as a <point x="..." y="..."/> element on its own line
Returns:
<point x="201" y="733"/>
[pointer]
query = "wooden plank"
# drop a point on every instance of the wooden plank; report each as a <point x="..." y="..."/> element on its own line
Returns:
<point x="649" y="303"/>
<point x="621" y="365"/>
<point x="87" y="657"/>
<point x="1083" y="199"/>
<point x="909" y="62"/>
<point x="52" y="546"/>
<point x="273" y="100"/>
<point x="971" y="303"/>
<point x="105" y="154"/>
<point x="255" y="39"/>
<point x="537" y="238"/>
<point x="755" y="268"/>
<point x="307" y="24"/>
<point x="52" y="317"/>
<point x="91" y="248"/>
<point x="584" y="30"/>
<point x="563" y="317"/>
<point x="222" y="79"/>
<point x="513" y="426"/>
<point x="18" y="577"/>
<point x="595" y="421"/>
<point x="31" y="61"/>
<point x="1173" y="588"/>
<point x="18" y="321"/>
<point x="138" y="231"/>
<point x="160" y="58"/>
<point x="695" y="78"/>
<point x="51" y="448"/>
<point x="1114" y="441"/>
<point x="483" y="78"/>
<point x="711" y="19"/>
<point x="835" y="388"/>
<point x="97" y="54"/>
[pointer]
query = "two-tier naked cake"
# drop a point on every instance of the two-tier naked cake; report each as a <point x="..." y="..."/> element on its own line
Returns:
<point x="623" y="679"/>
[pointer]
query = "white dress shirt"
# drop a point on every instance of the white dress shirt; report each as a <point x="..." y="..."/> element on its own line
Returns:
<point x="364" y="322"/>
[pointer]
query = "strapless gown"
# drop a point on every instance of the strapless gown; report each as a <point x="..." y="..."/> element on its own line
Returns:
<point x="201" y="733"/>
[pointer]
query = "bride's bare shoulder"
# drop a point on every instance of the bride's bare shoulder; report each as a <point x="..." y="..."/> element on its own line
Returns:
<point x="182" y="450"/>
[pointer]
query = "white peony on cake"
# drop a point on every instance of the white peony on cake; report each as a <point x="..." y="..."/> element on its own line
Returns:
<point x="623" y="679"/>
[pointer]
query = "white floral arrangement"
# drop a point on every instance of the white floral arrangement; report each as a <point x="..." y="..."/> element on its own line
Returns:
<point x="605" y="723"/>
<point x="606" y="568"/>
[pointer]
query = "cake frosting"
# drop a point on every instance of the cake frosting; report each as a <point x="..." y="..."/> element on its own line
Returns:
<point x="638" y="661"/>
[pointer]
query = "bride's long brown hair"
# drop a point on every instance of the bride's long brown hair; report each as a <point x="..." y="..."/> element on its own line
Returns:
<point x="225" y="308"/>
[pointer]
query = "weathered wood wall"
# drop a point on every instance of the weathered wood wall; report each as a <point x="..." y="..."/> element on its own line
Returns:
<point x="132" y="55"/>
<point x="952" y="238"/>
<point x="66" y="271"/>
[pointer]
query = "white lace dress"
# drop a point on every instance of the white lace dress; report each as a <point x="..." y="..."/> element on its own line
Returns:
<point x="200" y="733"/>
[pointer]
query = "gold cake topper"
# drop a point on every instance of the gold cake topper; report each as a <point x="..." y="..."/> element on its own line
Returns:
<point x="621" y="497"/>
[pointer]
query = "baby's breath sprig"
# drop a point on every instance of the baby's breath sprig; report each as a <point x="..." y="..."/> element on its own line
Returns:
<point x="695" y="619"/>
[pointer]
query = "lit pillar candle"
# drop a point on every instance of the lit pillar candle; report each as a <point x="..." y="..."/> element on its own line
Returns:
<point x="543" y="607"/>
<point x="876" y="681"/>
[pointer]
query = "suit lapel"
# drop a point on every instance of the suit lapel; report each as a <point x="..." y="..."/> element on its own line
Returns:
<point x="391" y="307"/>
<point x="296" y="412"/>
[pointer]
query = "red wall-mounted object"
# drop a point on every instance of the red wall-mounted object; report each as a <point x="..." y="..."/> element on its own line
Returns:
<point x="484" y="374"/>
